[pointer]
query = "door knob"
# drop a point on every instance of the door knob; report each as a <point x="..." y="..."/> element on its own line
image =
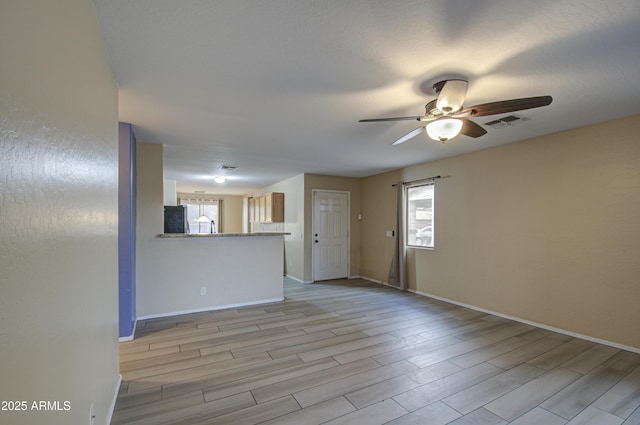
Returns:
<point x="316" y="241"/>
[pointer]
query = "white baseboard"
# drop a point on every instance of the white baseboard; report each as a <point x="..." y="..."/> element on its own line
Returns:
<point x="112" y="407"/>
<point x="531" y="323"/>
<point x="297" y="280"/>
<point x="370" y="279"/>
<point x="362" y="277"/>
<point x="378" y="281"/>
<point x="200" y="310"/>
<point x="133" y="333"/>
<point x="517" y="319"/>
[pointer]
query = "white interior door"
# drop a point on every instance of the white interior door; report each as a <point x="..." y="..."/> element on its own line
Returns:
<point x="330" y="235"/>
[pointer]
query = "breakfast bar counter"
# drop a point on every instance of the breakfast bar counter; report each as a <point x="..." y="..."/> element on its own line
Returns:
<point x="210" y="271"/>
<point x="219" y="235"/>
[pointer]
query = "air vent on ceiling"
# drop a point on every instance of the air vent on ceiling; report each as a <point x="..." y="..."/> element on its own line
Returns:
<point x="509" y="120"/>
<point x="228" y="167"/>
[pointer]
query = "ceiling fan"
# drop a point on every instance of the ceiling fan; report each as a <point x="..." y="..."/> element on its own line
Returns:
<point x="446" y="117"/>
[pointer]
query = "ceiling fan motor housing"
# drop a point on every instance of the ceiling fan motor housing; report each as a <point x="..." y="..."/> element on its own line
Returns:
<point x="431" y="111"/>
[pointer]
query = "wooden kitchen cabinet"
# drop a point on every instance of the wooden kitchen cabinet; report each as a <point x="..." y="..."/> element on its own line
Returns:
<point x="267" y="208"/>
<point x="274" y="207"/>
<point x="262" y="209"/>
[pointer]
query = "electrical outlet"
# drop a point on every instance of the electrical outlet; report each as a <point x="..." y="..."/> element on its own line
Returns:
<point x="203" y="290"/>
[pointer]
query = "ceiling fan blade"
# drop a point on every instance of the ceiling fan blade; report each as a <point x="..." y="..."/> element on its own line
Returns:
<point x="409" y="135"/>
<point x="391" y="119"/>
<point x="471" y="129"/>
<point x="504" y="106"/>
<point x="451" y="96"/>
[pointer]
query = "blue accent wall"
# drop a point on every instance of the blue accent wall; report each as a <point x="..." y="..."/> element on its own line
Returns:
<point x="127" y="230"/>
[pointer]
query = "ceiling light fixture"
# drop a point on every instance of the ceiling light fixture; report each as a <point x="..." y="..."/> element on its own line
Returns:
<point x="219" y="179"/>
<point x="444" y="129"/>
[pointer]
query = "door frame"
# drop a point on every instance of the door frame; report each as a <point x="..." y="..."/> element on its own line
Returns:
<point x="313" y="221"/>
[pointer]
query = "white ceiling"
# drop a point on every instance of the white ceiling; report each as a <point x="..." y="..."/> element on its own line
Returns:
<point x="276" y="87"/>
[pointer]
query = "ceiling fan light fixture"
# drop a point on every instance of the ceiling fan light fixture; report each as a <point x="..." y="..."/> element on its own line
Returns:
<point x="219" y="179"/>
<point x="452" y="95"/>
<point x="444" y="129"/>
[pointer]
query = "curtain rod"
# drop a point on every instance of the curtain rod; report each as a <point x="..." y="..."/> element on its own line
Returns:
<point x="422" y="180"/>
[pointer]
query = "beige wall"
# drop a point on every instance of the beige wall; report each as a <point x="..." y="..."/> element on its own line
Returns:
<point x="231" y="213"/>
<point x="378" y="216"/>
<point x="545" y="230"/>
<point x="58" y="231"/>
<point x="150" y="194"/>
<point x="149" y="221"/>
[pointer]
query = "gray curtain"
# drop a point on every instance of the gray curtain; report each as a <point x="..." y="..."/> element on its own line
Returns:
<point x="398" y="271"/>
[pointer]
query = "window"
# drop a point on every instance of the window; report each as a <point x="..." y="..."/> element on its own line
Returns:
<point x="419" y="210"/>
<point x="198" y="207"/>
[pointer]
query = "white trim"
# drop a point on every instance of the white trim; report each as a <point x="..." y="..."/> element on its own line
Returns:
<point x="372" y="280"/>
<point x="529" y="322"/>
<point x="379" y="282"/>
<point x="298" y="280"/>
<point x="112" y="407"/>
<point x="213" y="308"/>
<point x="133" y="333"/>
<point x="383" y="283"/>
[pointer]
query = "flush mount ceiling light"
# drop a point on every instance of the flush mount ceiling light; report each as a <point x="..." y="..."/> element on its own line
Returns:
<point x="444" y="129"/>
<point x="219" y="179"/>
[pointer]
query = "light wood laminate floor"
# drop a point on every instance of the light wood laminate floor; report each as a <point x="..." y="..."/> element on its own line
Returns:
<point x="353" y="352"/>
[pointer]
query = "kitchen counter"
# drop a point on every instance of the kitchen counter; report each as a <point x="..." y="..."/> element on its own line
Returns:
<point x="219" y="235"/>
<point x="204" y="271"/>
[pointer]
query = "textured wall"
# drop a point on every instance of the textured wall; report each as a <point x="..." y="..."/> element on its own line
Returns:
<point x="58" y="213"/>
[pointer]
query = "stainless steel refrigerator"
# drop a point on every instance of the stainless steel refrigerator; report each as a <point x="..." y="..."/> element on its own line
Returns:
<point x="175" y="219"/>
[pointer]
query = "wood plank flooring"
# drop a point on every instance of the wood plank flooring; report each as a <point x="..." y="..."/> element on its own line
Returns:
<point x="353" y="352"/>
